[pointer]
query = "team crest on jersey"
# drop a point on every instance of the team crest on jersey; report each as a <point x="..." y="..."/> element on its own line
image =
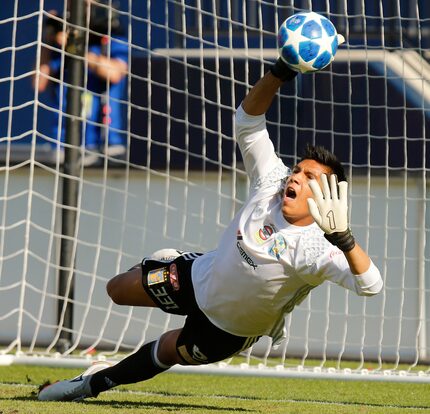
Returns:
<point x="264" y="233"/>
<point x="278" y="247"/>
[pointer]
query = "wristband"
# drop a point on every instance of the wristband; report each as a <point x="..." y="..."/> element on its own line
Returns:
<point x="281" y="71"/>
<point x="343" y="239"/>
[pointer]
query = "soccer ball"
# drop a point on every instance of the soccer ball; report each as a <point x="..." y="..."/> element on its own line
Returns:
<point x="308" y="42"/>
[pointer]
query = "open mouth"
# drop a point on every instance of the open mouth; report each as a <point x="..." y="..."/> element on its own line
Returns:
<point x="290" y="193"/>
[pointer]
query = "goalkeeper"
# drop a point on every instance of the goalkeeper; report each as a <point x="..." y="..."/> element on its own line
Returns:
<point x="291" y="235"/>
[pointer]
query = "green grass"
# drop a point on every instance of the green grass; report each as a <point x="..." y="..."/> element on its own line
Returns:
<point x="184" y="393"/>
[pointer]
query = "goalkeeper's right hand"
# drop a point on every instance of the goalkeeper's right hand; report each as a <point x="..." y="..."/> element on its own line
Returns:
<point x="329" y="209"/>
<point x="281" y="71"/>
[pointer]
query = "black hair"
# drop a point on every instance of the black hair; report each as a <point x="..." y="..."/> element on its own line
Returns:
<point x="325" y="157"/>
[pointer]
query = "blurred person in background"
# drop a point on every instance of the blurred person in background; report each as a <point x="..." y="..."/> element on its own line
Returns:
<point x="105" y="84"/>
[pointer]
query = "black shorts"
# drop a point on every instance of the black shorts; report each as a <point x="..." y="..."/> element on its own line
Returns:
<point x="169" y="285"/>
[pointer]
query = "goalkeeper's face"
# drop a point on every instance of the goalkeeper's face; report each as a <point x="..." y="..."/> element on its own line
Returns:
<point x="297" y="191"/>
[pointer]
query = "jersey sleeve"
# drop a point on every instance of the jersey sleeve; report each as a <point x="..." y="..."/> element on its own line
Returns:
<point x="327" y="262"/>
<point x="337" y="271"/>
<point x="257" y="149"/>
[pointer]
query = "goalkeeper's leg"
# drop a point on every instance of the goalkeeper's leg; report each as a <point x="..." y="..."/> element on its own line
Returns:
<point x="142" y="284"/>
<point x="198" y="342"/>
<point x="142" y="365"/>
<point x="165" y="284"/>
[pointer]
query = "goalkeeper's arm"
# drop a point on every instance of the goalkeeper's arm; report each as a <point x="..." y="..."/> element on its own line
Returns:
<point x="260" y="97"/>
<point x="329" y="209"/>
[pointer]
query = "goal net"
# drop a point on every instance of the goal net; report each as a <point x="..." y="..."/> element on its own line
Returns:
<point x="103" y="163"/>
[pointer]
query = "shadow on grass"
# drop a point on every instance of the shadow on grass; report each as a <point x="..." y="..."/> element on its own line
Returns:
<point x="141" y="404"/>
<point x="176" y="406"/>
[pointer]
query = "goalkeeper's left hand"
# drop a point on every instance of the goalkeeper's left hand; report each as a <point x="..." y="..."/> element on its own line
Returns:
<point x="329" y="209"/>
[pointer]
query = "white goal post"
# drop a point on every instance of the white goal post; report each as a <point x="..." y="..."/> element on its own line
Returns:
<point x="181" y="180"/>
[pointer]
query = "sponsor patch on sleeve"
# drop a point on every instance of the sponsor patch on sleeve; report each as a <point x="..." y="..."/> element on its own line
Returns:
<point x="157" y="276"/>
<point x="174" y="281"/>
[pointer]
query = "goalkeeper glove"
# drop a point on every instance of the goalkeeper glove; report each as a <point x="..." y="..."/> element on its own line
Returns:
<point x="280" y="70"/>
<point x="330" y="211"/>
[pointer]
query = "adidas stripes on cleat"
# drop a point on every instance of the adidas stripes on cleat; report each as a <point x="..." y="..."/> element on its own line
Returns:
<point x="75" y="389"/>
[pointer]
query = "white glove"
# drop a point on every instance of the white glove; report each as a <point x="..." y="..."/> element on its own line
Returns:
<point x="329" y="209"/>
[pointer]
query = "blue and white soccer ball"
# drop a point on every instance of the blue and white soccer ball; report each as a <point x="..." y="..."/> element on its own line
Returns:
<point x="308" y="42"/>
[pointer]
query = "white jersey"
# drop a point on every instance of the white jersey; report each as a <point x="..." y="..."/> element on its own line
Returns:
<point x="263" y="265"/>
